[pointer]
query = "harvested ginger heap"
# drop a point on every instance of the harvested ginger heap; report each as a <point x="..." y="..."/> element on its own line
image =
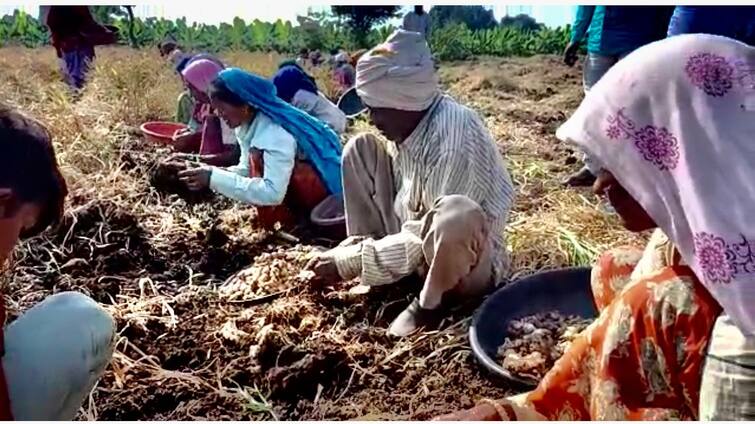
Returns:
<point x="537" y="341"/>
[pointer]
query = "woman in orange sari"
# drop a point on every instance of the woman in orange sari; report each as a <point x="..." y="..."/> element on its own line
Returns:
<point x="672" y="125"/>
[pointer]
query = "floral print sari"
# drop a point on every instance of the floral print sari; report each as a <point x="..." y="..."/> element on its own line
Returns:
<point x="642" y="358"/>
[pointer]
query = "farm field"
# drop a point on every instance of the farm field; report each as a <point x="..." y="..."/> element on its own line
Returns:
<point x="191" y="345"/>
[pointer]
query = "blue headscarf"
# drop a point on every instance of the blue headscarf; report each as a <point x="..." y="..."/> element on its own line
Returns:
<point x="315" y="139"/>
<point x="291" y="78"/>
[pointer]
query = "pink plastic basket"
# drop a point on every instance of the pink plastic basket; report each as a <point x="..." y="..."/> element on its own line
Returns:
<point x="161" y="132"/>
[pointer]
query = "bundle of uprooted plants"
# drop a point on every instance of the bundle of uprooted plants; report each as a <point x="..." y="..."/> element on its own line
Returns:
<point x="214" y="319"/>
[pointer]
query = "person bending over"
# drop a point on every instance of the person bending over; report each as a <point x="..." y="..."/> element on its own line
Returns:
<point x="55" y="352"/>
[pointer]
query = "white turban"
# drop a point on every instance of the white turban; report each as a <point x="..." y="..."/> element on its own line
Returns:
<point x="398" y="74"/>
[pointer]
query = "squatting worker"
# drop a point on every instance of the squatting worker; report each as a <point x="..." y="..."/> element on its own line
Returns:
<point x="289" y="160"/>
<point x="434" y="197"/>
<point x="55" y="352"/>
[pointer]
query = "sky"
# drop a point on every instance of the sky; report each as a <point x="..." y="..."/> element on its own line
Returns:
<point x="550" y="15"/>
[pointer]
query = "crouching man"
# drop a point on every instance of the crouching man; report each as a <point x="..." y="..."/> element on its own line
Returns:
<point x="53" y="354"/>
<point x="434" y="198"/>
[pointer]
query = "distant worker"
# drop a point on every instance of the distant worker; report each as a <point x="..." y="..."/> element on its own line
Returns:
<point x="303" y="57"/>
<point x="612" y="33"/>
<point x="74" y="33"/>
<point x="175" y="54"/>
<point x="417" y="21"/>
<point x="170" y="50"/>
<point x="315" y="58"/>
<point x="344" y="74"/>
<point x="331" y="62"/>
<point x="736" y="22"/>
<point x="297" y="88"/>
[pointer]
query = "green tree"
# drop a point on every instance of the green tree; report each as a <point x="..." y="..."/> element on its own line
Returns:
<point x="474" y="17"/>
<point x="110" y="15"/>
<point x="522" y="22"/>
<point x="361" y="19"/>
<point x="130" y="15"/>
<point x="107" y="15"/>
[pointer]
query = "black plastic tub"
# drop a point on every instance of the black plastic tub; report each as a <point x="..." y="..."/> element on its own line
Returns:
<point x="330" y="218"/>
<point x="566" y="291"/>
<point x="351" y="104"/>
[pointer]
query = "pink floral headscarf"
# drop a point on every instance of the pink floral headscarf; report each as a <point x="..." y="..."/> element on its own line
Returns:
<point x="674" y="122"/>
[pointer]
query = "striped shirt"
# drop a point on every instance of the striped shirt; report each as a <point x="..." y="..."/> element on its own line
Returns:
<point x="450" y="152"/>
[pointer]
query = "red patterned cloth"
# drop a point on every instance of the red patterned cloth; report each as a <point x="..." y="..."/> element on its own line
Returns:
<point x="641" y="359"/>
<point x="305" y="191"/>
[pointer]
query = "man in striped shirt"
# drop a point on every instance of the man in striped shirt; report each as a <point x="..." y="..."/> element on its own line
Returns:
<point x="434" y="198"/>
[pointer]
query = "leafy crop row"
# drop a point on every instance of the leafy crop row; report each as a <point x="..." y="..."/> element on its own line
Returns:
<point x="452" y="42"/>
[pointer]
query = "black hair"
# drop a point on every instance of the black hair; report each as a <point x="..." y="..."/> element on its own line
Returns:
<point x="167" y="47"/>
<point x="288" y="62"/>
<point x="219" y="91"/>
<point x="28" y="167"/>
<point x="182" y="64"/>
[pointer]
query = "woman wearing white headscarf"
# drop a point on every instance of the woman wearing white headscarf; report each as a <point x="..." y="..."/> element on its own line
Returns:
<point x="438" y="202"/>
<point x="673" y="126"/>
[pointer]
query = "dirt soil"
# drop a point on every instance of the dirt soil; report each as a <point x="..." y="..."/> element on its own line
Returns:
<point x="190" y="347"/>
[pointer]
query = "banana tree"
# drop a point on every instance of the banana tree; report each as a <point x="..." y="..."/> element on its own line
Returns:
<point x="237" y="33"/>
<point x="188" y="36"/>
<point x="160" y="29"/>
<point x="131" y="38"/>
<point x="281" y="36"/>
<point x="260" y="34"/>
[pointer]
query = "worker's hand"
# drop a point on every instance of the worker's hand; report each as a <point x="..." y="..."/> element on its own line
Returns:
<point x="180" y="133"/>
<point x="482" y="412"/>
<point x="570" y="54"/>
<point x="196" y="179"/>
<point x="184" y="140"/>
<point x="324" y="267"/>
<point x="183" y="158"/>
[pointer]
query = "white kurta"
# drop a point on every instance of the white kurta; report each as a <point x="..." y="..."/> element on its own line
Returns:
<point x="318" y="106"/>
